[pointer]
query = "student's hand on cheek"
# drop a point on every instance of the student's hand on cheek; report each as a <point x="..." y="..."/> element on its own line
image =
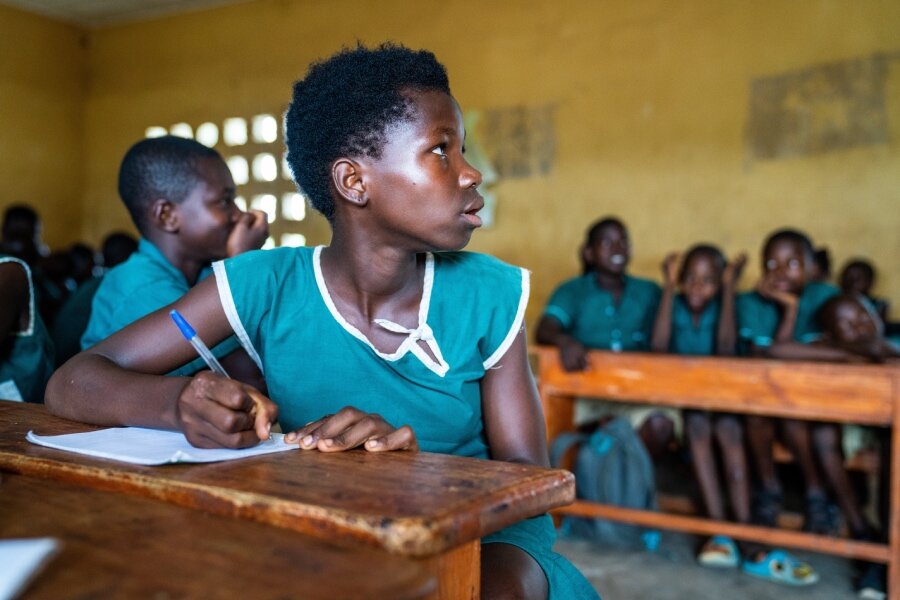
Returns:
<point x="767" y="290"/>
<point x="249" y="233"/>
<point x="350" y="428"/>
<point x="217" y="412"/>
<point x="670" y="269"/>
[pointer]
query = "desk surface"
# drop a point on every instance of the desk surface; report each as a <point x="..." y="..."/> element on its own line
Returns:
<point x="414" y="504"/>
<point x="122" y="546"/>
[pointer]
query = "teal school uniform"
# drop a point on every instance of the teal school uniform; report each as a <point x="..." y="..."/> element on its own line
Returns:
<point x="142" y="284"/>
<point x="316" y="363"/>
<point x="698" y="339"/>
<point x="589" y="313"/>
<point x="758" y="318"/>
<point x="26" y="356"/>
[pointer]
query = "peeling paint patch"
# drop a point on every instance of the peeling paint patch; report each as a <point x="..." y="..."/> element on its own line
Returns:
<point x="521" y="140"/>
<point x="820" y="109"/>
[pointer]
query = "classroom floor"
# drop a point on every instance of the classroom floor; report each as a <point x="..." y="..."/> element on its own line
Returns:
<point x="671" y="573"/>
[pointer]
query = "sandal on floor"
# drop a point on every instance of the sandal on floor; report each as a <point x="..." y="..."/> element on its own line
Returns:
<point x="779" y="566"/>
<point x="719" y="552"/>
<point x="766" y="508"/>
<point x="821" y="517"/>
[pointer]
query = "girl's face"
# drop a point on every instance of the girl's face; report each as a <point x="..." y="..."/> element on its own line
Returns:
<point x="609" y="251"/>
<point x="423" y="194"/>
<point x="701" y="280"/>
<point x="855" y="279"/>
<point x="785" y="264"/>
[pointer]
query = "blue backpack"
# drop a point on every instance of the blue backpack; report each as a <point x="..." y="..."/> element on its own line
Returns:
<point x="613" y="467"/>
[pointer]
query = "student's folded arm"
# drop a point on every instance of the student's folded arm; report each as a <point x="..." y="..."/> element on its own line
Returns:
<point x="120" y="380"/>
<point x="513" y="418"/>
<point x="815" y="352"/>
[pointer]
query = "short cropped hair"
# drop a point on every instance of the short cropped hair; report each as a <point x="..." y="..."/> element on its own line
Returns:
<point x="863" y="265"/>
<point x="595" y="229"/>
<point x="162" y="167"/>
<point x="790" y="235"/>
<point x="708" y="250"/>
<point x="343" y="106"/>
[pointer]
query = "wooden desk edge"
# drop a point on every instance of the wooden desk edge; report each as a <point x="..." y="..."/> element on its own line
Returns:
<point x="411" y="536"/>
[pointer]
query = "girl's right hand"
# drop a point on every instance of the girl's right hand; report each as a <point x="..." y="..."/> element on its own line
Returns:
<point x="217" y="412"/>
<point x="670" y="269"/>
<point x="350" y="428"/>
<point x="733" y="270"/>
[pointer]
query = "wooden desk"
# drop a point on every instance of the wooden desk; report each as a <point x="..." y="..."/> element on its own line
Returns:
<point x="430" y="506"/>
<point x="122" y="546"/>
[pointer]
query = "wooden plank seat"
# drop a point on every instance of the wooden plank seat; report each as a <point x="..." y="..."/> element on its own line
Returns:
<point x="860" y="394"/>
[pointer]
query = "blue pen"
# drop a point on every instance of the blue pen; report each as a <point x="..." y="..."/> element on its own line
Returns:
<point x="190" y="335"/>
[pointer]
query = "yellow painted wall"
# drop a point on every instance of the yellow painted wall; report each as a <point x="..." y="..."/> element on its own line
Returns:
<point x="650" y="100"/>
<point x="43" y="79"/>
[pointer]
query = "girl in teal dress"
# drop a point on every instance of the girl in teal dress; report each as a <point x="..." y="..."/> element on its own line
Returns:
<point x="26" y="351"/>
<point x="389" y="338"/>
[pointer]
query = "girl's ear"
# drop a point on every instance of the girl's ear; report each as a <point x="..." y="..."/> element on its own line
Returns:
<point x="347" y="177"/>
<point x="164" y="215"/>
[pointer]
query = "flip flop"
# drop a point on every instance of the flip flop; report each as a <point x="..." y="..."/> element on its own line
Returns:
<point x="719" y="552"/>
<point x="781" y="567"/>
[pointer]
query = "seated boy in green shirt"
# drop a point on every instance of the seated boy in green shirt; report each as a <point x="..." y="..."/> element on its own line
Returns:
<point x="180" y="195"/>
<point x="607" y="309"/>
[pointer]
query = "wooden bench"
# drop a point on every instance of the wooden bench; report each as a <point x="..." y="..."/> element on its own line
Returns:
<point x="861" y="394"/>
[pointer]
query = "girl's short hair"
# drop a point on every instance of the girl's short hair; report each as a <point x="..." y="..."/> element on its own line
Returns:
<point x="343" y="106"/>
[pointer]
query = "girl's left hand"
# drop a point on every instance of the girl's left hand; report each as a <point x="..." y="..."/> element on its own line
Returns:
<point x="350" y="428"/>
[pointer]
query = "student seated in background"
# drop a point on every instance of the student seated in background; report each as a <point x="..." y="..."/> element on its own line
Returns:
<point x="858" y="277"/>
<point x="771" y="319"/>
<point x="700" y="321"/>
<point x="26" y="352"/>
<point x="180" y="195"/>
<point x="72" y="319"/>
<point x="607" y="309"/>
<point x="387" y="339"/>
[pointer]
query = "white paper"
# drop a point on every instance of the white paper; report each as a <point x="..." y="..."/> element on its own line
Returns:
<point x="20" y="561"/>
<point x="141" y="446"/>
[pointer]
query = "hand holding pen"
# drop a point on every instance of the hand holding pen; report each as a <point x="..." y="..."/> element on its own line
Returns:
<point x="216" y="411"/>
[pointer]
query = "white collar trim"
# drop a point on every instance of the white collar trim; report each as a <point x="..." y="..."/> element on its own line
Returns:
<point x="422" y="332"/>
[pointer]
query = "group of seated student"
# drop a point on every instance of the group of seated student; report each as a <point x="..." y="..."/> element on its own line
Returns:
<point x="698" y="311"/>
<point x="359" y="344"/>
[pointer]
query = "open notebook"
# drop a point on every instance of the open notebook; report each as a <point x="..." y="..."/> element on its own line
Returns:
<point x="141" y="446"/>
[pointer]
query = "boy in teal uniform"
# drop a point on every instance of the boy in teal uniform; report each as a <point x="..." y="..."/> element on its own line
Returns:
<point x="607" y="309"/>
<point x="180" y="195"/>
<point x="26" y="352"/>
<point x="426" y="343"/>
<point x="778" y="320"/>
<point x="700" y="321"/>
